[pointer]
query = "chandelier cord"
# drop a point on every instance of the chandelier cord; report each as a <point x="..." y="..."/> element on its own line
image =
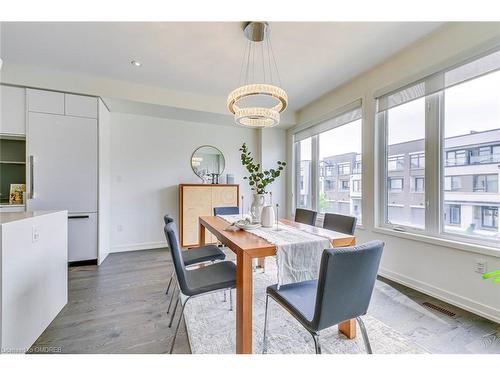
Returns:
<point x="275" y="65"/>
<point x="245" y="50"/>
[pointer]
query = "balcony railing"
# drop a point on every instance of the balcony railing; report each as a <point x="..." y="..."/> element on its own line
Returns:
<point x="473" y="159"/>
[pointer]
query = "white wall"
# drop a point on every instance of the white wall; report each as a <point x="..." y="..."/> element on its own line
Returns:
<point x="272" y="149"/>
<point x="442" y="271"/>
<point x="150" y="158"/>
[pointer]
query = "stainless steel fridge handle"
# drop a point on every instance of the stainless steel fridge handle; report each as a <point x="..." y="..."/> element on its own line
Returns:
<point x="32" y="177"/>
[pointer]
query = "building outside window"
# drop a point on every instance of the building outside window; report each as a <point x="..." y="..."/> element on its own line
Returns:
<point x="417" y="161"/>
<point x="396" y="163"/>
<point x="344" y="169"/>
<point x="454" y="158"/>
<point x="489" y="217"/>
<point x="419" y="184"/>
<point x="344" y="185"/>
<point x="356" y="186"/>
<point x="452" y="183"/>
<point x="303" y="159"/>
<point x="395" y="184"/>
<point x="486" y="183"/>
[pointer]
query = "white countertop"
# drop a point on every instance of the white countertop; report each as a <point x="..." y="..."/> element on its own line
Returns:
<point x="8" y="217"/>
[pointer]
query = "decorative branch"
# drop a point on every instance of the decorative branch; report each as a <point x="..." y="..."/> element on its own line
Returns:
<point x="259" y="179"/>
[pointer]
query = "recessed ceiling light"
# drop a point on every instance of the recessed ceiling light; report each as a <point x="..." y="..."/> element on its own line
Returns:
<point x="136" y="63"/>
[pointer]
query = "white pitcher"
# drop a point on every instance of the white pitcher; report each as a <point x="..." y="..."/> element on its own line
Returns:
<point x="267" y="216"/>
<point x="256" y="207"/>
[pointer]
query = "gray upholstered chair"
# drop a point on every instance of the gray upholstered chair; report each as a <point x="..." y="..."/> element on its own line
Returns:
<point x="342" y="292"/>
<point x="214" y="277"/>
<point x="340" y="223"/>
<point x="305" y="216"/>
<point x="226" y="211"/>
<point x="192" y="257"/>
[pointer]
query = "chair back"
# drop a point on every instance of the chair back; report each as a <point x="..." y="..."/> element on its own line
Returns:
<point x="345" y="284"/>
<point x="340" y="223"/>
<point x="175" y="251"/>
<point x="305" y="216"/>
<point x="226" y="211"/>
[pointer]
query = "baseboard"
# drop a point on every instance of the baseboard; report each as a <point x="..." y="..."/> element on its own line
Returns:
<point x="441" y="294"/>
<point x="138" y="246"/>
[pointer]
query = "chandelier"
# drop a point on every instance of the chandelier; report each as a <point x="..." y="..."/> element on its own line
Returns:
<point x="259" y="100"/>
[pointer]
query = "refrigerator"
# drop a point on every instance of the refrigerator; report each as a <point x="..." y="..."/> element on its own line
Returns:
<point x="63" y="175"/>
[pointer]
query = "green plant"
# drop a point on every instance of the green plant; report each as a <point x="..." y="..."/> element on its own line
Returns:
<point x="323" y="202"/>
<point x="495" y="275"/>
<point x="259" y="179"/>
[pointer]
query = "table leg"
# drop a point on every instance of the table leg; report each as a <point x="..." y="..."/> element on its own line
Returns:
<point x="244" y="294"/>
<point x="348" y="328"/>
<point x="201" y="235"/>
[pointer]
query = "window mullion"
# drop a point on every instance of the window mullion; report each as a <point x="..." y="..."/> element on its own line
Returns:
<point x="315" y="172"/>
<point x="433" y="163"/>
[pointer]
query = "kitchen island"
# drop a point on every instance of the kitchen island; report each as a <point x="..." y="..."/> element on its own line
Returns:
<point x="34" y="275"/>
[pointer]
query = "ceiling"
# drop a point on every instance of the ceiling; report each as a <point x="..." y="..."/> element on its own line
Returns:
<point x="205" y="57"/>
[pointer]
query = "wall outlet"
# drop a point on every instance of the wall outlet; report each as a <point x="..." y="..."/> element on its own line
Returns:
<point x="480" y="266"/>
<point x="35" y="236"/>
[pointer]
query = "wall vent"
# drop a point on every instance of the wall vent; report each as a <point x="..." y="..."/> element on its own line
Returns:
<point x="439" y="309"/>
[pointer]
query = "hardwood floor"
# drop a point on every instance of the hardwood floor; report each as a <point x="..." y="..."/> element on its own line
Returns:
<point x="120" y="307"/>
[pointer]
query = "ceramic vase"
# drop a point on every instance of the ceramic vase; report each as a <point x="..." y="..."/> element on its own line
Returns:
<point x="256" y="207"/>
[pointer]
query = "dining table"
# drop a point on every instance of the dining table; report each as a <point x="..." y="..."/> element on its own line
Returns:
<point x="248" y="246"/>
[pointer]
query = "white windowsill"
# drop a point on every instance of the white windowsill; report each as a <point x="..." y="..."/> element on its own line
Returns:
<point x="453" y="244"/>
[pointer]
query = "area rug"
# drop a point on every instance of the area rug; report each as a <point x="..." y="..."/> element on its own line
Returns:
<point x="211" y="327"/>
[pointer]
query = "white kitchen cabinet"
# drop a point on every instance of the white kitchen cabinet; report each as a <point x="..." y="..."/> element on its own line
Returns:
<point x="13" y="103"/>
<point x="45" y="101"/>
<point x="82" y="106"/>
<point x="62" y="163"/>
<point x="82" y="236"/>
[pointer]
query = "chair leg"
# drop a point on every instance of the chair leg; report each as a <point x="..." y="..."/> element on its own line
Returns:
<point x="178" y="324"/>
<point x="365" y="335"/>
<point x="230" y="300"/>
<point x="173" y="312"/>
<point x="317" y="345"/>
<point x="172" y="298"/>
<point x="264" y="341"/>
<point x="169" y="283"/>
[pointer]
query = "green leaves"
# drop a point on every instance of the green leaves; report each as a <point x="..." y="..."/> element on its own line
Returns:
<point x="259" y="179"/>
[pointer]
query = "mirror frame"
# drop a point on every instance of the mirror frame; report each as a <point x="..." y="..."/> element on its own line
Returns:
<point x="194" y="152"/>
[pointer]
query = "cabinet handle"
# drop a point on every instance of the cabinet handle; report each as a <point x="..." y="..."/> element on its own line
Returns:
<point x="32" y="176"/>
<point x="79" y="217"/>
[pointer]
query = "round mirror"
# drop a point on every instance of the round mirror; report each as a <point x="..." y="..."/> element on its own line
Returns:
<point x="208" y="163"/>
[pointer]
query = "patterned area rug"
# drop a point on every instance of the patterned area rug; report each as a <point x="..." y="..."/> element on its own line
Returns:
<point x="211" y="327"/>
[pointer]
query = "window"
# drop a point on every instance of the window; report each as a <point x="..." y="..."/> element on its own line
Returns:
<point x="418" y="184"/>
<point x="335" y="149"/>
<point x="396" y="163"/>
<point x="454" y="158"/>
<point x="452" y="214"/>
<point x="452" y="183"/>
<point x="485" y="183"/>
<point x="356" y="186"/>
<point x="489" y="217"/>
<point x="303" y="152"/>
<point x="449" y="126"/>
<point x="344" y="169"/>
<point x="344" y="185"/>
<point x="357" y="167"/>
<point x="417" y="161"/>
<point x="395" y="184"/>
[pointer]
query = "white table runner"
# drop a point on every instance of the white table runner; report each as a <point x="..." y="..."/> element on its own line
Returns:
<point x="298" y="255"/>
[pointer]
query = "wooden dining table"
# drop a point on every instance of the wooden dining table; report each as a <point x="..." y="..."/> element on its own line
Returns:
<point x="248" y="246"/>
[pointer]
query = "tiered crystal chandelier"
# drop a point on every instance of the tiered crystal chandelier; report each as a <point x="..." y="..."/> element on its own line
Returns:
<point x="258" y="105"/>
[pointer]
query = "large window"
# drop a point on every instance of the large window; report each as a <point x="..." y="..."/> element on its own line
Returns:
<point x="335" y="150"/>
<point x="442" y="134"/>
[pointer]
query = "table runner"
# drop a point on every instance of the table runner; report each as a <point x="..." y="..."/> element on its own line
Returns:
<point x="298" y="254"/>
